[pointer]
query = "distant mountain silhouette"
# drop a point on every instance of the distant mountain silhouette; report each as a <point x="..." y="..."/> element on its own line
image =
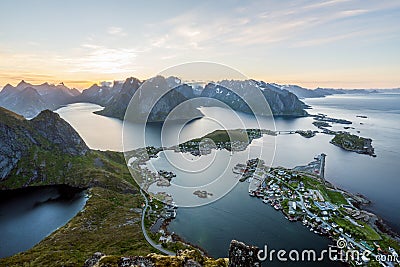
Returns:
<point x="29" y="100"/>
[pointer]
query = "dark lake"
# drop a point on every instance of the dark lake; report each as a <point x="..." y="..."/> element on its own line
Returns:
<point x="29" y="215"/>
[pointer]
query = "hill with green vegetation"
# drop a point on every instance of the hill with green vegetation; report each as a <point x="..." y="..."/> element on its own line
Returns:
<point x="351" y="142"/>
<point x="48" y="151"/>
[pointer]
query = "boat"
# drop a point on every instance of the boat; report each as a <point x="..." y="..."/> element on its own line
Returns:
<point x="251" y="193"/>
<point x="265" y="201"/>
<point x="277" y="206"/>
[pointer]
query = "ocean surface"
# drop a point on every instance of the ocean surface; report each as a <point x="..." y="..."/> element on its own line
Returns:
<point x="237" y="216"/>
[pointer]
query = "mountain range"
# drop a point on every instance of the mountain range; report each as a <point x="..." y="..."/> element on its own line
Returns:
<point x="302" y="92"/>
<point x="29" y="100"/>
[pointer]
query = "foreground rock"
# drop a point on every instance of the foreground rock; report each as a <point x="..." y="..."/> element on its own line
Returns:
<point x="184" y="258"/>
<point x="243" y="255"/>
<point x="240" y="255"/>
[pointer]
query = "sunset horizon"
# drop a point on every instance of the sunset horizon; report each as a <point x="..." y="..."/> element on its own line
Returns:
<point x="330" y="44"/>
<point x="200" y="133"/>
<point x="83" y="85"/>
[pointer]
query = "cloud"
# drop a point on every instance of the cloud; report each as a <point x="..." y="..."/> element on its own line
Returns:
<point x="116" y="31"/>
<point x="354" y="12"/>
<point x="328" y="39"/>
<point x="24" y="75"/>
<point x="102" y="60"/>
<point x="323" y="4"/>
<point x="257" y="23"/>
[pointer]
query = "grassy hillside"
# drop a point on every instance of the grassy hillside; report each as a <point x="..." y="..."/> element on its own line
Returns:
<point x="48" y="151"/>
<point x="107" y="224"/>
<point x="49" y="167"/>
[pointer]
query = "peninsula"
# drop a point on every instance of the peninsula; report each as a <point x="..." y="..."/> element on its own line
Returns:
<point x="303" y="194"/>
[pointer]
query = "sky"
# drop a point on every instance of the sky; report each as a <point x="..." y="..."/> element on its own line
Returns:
<point x="326" y="43"/>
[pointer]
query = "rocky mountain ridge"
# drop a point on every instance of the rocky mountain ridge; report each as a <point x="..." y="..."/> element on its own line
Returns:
<point x="48" y="132"/>
<point x="29" y="100"/>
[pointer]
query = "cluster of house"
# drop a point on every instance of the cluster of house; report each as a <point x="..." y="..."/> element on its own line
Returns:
<point x="358" y="214"/>
<point x="166" y="213"/>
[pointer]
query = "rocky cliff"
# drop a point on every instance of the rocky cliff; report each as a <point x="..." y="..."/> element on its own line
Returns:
<point x="232" y="93"/>
<point x="18" y="137"/>
<point x="59" y="133"/>
<point x="146" y="103"/>
<point x="240" y="255"/>
<point x="99" y="94"/>
<point x="48" y="151"/>
<point x="243" y="96"/>
<point x="118" y="103"/>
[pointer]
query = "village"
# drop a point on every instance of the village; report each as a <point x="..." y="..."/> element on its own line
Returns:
<point x="302" y="194"/>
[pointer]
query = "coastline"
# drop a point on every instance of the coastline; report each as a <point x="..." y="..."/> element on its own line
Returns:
<point x="357" y="201"/>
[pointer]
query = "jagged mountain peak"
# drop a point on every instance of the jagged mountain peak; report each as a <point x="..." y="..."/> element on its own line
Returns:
<point x="47" y="114"/>
<point x="56" y="130"/>
<point x="8" y="88"/>
<point x="93" y="86"/>
<point x="46" y="132"/>
<point x="22" y="84"/>
<point x="131" y="81"/>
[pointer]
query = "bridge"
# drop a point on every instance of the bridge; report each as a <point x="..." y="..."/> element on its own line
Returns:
<point x="285" y="132"/>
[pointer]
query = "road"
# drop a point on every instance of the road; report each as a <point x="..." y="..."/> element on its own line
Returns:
<point x="148" y="239"/>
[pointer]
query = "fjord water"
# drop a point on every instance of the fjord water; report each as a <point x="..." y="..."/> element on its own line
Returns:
<point x="241" y="217"/>
<point x="97" y="131"/>
<point x="29" y="215"/>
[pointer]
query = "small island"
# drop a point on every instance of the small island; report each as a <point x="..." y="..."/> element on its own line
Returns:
<point x="202" y="193"/>
<point x="353" y="143"/>
<point x="324" y="118"/>
<point x="239" y="140"/>
<point x="231" y="140"/>
<point x="306" y="134"/>
<point x="321" y="124"/>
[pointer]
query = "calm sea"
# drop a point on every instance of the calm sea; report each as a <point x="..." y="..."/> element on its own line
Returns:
<point x="237" y="216"/>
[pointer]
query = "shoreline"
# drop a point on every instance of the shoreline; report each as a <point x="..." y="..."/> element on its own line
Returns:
<point x="358" y="201"/>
